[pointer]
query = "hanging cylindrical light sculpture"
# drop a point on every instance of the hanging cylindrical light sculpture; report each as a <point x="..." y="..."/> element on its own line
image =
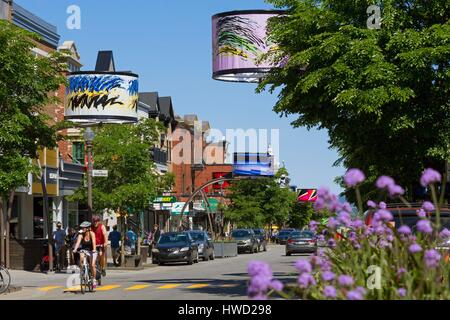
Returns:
<point x="239" y="38"/>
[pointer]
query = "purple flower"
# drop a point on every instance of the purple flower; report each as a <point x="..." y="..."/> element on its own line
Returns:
<point x="328" y="276"/>
<point x="276" y="285"/>
<point x="256" y="268"/>
<point x="371" y="204"/>
<point x="432" y="258"/>
<point x="390" y="237"/>
<point x="357" y="223"/>
<point x="329" y="292"/>
<point x="303" y="266"/>
<point x="313" y="225"/>
<point x="305" y="280"/>
<point x="385" y="215"/>
<point x="345" y="280"/>
<point x="404" y="230"/>
<point x="319" y="204"/>
<point x="429" y="176"/>
<point x="361" y="290"/>
<point x="346" y="207"/>
<point x="395" y="191"/>
<point x="414" y="248"/>
<point x="332" y="223"/>
<point x="323" y="192"/>
<point x="424" y="226"/>
<point x="445" y="233"/>
<point x="353" y="177"/>
<point x="344" y="218"/>
<point x="401" y="292"/>
<point x="331" y="243"/>
<point x="421" y="213"/>
<point x="428" y="206"/>
<point x="382" y="205"/>
<point x="354" y="295"/>
<point x="259" y="283"/>
<point x="384" y="182"/>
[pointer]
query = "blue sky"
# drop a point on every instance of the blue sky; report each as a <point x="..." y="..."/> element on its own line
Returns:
<point x="168" y="43"/>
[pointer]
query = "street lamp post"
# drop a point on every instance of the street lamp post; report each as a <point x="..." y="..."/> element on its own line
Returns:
<point x="89" y="138"/>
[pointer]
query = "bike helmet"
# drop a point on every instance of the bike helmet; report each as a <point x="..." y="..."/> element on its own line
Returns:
<point x="85" y="224"/>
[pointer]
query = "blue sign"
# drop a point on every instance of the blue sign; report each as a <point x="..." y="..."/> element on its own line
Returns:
<point x="253" y="164"/>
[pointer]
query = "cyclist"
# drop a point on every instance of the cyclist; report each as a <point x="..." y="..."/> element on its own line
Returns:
<point x="86" y="242"/>
<point x="101" y="237"/>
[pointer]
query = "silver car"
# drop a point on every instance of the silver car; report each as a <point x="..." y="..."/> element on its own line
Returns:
<point x="301" y="242"/>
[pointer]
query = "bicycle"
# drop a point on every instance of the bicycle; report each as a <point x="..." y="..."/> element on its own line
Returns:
<point x="86" y="277"/>
<point x="5" y="279"/>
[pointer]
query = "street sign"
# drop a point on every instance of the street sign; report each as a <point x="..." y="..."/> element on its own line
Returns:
<point x="99" y="173"/>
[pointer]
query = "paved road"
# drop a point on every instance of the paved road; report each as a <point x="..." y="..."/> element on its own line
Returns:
<point x="219" y="279"/>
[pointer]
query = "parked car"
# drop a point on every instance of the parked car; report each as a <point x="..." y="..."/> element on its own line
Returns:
<point x="283" y="235"/>
<point x="175" y="247"/>
<point x="246" y="240"/>
<point x="301" y="242"/>
<point x="204" y="243"/>
<point x="262" y="241"/>
<point x="408" y="216"/>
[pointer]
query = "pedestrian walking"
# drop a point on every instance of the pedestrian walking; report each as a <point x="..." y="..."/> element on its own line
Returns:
<point x="114" y="237"/>
<point x="59" y="237"/>
<point x="100" y="236"/>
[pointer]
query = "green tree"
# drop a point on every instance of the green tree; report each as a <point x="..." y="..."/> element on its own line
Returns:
<point x="132" y="182"/>
<point x="26" y="86"/>
<point x="258" y="202"/>
<point x="382" y="94"/>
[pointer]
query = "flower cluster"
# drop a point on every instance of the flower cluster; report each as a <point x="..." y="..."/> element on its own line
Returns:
<point x="261" y="280"/>
<point x="405" y="253"/>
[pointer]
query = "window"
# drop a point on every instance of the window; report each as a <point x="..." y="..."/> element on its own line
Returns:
<point x="78" y="152"/>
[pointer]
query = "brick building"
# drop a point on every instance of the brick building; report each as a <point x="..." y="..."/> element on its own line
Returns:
<point x="196" y="161"/>
<point x="28" y="225"/>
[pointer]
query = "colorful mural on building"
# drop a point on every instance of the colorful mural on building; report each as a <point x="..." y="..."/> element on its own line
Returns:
<point x="98" y="97"/>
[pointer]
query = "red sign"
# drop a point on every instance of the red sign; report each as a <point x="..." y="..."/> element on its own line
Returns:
<point x="217" y="175"/>
<point x="307" y="195"/>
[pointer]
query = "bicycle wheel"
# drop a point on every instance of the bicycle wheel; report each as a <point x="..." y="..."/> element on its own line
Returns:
<point x="5" y="280"/>
<point x="83" y="282"/>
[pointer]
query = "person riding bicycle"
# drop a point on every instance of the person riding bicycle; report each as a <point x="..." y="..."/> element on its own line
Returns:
<point x="86" y="243"/>
<point x="101" y="237"/>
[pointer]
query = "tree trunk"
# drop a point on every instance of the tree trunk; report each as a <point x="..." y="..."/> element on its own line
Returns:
<point x="8" y="228"/>
<point x="2" y="231"/>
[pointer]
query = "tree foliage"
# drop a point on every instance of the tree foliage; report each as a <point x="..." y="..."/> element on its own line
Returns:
<point x="382" y="94"/>
<point x="26" y="86"/>
<point x="132" y="182"/>
<point x="258" y="202"/>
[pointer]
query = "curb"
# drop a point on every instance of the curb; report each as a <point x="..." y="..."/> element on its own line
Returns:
<point x="12" y="289"/>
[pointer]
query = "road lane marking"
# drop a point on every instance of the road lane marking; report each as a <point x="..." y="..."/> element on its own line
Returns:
<point x="107" y="288"/>
<point x="137" y="287"/>
<point x="198" y="286"/>
<point x="49" y="288"/>
<point x="72" y="289"/>
<point x="229" y="285"/>
<point x="169" y="286"/>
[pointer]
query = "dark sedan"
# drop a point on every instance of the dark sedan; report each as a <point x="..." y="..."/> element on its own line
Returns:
<point x="284" y="235"/>
<point x="204" y="243"/>
<point x="175" y="247"/>
<point x="246" y="240"/>
<point x="301" y="242"/>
